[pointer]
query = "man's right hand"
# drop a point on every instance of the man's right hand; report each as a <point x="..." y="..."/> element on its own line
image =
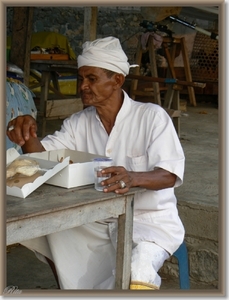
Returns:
<point x="22" y="131"/>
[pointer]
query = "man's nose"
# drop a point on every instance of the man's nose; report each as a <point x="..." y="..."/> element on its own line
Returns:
<point x="83" y="84"/>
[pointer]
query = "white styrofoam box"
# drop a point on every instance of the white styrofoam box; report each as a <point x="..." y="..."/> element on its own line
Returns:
<point x="33" y="182"/>
<point x="78" y="173"/>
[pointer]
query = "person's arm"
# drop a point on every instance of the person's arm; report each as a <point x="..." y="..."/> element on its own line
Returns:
<point x="22" y="131"/>
<point x="157" y="179"/>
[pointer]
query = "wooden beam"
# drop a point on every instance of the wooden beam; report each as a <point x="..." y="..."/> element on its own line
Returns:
<point x="90" y="23"/>
<point x="21" y="39"/>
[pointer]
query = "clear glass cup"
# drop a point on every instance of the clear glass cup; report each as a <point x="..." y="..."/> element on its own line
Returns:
<point x="99" y="164"/>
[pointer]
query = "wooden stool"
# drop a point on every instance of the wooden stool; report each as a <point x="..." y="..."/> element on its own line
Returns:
<point x="181" y="255"/>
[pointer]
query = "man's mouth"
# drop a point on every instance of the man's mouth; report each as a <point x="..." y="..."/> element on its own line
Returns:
<point x="84" y="94"/>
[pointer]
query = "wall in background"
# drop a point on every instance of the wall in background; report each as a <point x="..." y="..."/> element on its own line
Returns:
<point x="122" y="22"/>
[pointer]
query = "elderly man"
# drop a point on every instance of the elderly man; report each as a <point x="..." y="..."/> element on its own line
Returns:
<point x="141" y="139"/>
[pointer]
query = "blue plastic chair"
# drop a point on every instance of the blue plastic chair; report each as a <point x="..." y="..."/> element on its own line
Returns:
<point x="181" y="255"/>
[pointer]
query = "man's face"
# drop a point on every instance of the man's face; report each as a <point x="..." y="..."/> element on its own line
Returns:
<point x="94" y="86"/>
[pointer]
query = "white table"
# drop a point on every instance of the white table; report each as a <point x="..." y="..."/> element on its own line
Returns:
<point x="34" y="217"/>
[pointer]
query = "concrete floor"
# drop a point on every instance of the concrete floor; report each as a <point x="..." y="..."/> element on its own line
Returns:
<point x="199" y="137"/>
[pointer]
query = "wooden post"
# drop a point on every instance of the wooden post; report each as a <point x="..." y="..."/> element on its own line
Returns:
<point x="21" y="39"/>
<point x="90" y="23"/>
<point x="136" y="71"/>
<point x="153" y="69"/>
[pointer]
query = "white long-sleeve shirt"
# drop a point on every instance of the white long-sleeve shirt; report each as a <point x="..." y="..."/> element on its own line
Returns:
<point x="142" y="139"/>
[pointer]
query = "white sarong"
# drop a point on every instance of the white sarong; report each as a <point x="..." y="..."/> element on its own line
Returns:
<point x="85" y="257"/>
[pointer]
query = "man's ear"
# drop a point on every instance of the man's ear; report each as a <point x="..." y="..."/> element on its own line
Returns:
<point x="119" y="80"/>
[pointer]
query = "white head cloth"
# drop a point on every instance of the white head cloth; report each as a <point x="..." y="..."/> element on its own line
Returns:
<point x="106" y="53"/>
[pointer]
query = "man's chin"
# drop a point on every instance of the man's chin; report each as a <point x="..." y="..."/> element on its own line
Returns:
<point x="86" y="102"/>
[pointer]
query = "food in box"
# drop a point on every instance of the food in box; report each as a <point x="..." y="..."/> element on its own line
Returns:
<point x="20" y="185"/>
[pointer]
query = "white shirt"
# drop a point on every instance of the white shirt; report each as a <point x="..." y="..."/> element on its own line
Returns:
<point x="142" y="139"/>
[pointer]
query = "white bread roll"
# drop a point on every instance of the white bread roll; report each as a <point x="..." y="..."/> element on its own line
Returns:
<point x="23" y="166"/>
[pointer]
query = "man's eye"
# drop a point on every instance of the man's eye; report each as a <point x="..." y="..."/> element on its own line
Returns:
<point x="92" y="79"/>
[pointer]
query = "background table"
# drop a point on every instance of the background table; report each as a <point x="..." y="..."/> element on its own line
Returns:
<point x="51" y="209"/>
<point x="49" y="70"/>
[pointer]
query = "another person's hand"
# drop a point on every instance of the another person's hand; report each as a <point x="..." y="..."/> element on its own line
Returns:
<point x="120" y="181"/>
<point x="21" y="129"/>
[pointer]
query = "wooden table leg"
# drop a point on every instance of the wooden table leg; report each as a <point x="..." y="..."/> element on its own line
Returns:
<point x="169" y="97"/>
<point x="55" y="82"/>
<point x="45" y="81"/>
<point x="188" y="74"/>
<point x="124" y="246"/>
<point x="176" y="106"/>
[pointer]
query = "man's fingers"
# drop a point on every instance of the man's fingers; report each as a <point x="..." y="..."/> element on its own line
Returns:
<point x="21" y="129"/>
